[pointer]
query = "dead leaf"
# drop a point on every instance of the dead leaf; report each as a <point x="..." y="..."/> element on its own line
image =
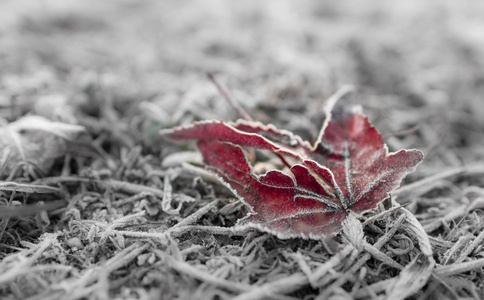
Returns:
<point x="348" y="168"/>
<point x="38" y="141"/>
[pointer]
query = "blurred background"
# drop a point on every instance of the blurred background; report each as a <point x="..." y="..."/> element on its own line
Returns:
<point x="418" y="66"/>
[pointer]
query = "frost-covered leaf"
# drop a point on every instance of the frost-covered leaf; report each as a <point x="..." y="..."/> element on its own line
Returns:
<point x="39" y="141"/>
<point x="228" y="132"/>
<point x="348" y="168"/>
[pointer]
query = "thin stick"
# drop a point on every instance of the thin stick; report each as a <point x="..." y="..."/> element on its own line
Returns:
<point x="284" y="161"/>
<point x="472" y="246"/>
<point x="425" y="181"/>
<point x="225" y="93"/>
<point x="454" y="269"/>
<point x="403" y="132"/>
<point x="238" y="109"/>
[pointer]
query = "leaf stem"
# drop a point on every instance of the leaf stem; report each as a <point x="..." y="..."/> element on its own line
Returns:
<point x="284" y="161"/>
<point x="225" y="93"/>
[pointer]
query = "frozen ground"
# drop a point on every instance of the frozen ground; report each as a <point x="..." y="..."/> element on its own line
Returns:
<point x="125" y="69"/>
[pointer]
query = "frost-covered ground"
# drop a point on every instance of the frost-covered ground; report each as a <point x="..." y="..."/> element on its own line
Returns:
<point x="140" y="223"/>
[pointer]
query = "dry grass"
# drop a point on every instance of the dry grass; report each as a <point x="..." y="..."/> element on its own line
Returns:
<point x="142" y="223"/>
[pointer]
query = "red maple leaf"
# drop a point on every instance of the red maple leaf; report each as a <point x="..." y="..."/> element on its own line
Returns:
<point x="348" y="168"/>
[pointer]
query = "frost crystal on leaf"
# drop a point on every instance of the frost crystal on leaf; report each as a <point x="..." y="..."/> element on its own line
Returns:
<point x="348" y="168"/>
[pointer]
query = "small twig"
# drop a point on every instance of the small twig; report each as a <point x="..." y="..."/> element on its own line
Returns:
<point x="168" y="197"/>
<point x="376" y="253"/>
<point x="132" y="188"/>
<point x="452" y="215"/>
<point x="403" y="132"/>
<point x="455" y="269"/>
<point x="195" y="216"/>
<point x="130" y="200"/>
<point x="463" y="240"/>
<point x="426" y="181"/>
<point x="225" y="93"/>
<point x="240" y="231"/>
<point x="476" y="242"/>
<point x="202" y="172"/>
<point x="381" y="214"/>
<point x="283" y="160"/>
